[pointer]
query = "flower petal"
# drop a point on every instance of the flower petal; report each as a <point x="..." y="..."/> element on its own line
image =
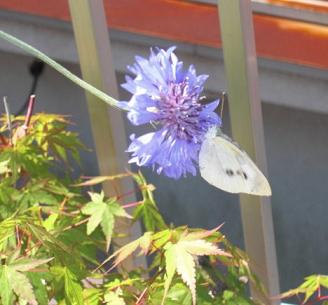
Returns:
<point x="166" y="94"/>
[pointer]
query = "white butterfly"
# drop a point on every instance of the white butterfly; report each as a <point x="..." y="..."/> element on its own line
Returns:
<point x="227" y="167"/>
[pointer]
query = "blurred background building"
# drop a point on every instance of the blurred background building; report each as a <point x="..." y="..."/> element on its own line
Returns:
<point x="292" y="45"/>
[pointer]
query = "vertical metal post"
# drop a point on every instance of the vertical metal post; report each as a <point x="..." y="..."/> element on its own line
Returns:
<point x="93" y="45"/>
<point x="247" y="128"/>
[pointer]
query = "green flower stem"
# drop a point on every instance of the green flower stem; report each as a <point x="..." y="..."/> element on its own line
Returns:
<point x="43" y="57"/>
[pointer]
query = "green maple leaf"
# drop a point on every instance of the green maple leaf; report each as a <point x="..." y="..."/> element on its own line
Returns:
<point x="21" y="285"/>
<point x="14" y="280"/>
<point x="180" y="258"/>
<point x="72" y="286"/>
<point x="40" y="289"/>
<point x="170" y="267"/>
<point x="25" y="264"/>
<point x="102" y="212"/>
<point x="49" y="223"/>
<point x="73" y="289"/>
<point x="6" y="293"/>
<point x="4" y="167"/>
<point x="114" y="298"/>
<point x="310" y="286"/>
<point x="143" y="242"/>
<point x="92" y="296"/>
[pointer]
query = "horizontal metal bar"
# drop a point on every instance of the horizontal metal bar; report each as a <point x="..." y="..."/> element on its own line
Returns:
<point x="301" y="14"/>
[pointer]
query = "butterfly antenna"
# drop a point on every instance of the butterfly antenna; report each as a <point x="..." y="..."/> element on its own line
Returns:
<point x="5" y="103"/>
<point x="223" y="98"/>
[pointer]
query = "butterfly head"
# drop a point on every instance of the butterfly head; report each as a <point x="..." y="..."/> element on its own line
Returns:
<point x="213" y="132"/>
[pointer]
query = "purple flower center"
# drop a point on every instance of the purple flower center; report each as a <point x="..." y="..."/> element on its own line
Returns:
<point x="179" y="112"/>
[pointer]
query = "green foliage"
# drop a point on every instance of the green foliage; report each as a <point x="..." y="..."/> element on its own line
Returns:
<point x="102" y="212"/>
<point x="311" y="288"/>
<point x="148" y="211"/>
<point x="53" y="229"/>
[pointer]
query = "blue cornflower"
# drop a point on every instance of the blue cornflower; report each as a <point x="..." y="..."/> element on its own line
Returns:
<point x="166" y="95"/>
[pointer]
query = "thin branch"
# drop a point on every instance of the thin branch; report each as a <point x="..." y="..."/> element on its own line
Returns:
<point x="19" y="243"/>
<point x="29" y="113"/>
<point x="74" y="225"/>
<point x="132" y="204"/>
<point x="5" y="103"/>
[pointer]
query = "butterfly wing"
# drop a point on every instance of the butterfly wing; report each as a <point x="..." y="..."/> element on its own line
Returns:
<point x="227" y="167"/>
